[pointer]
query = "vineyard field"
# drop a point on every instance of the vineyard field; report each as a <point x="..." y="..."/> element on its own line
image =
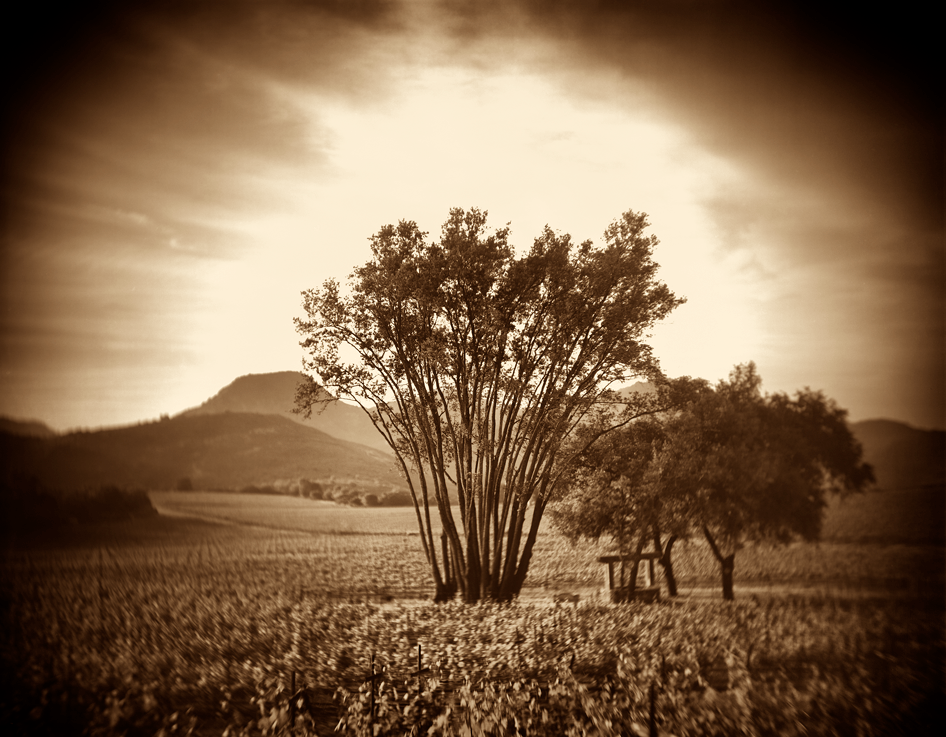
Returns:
<point x="177" y="625"/>
<point x="558" y="565"/>
<point x="907" y="516"/>
<point x="287" y="512"/>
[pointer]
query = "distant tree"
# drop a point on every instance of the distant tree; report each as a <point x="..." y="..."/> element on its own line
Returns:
<point x="476" y="366"/>
<point x="754" y="467"/>
<point x="397" y="499"/>
<point x="310" y="489"/>
<point x="184" y="484"/>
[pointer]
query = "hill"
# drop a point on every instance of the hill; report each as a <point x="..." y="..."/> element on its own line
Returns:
<point x="247" y="434"/>
<point x="227" y="450"/>
<point x="902" y="456"/>
<point x="889" y="516"/>
<point x="26" y="428"/>
<point x="274" y="394"/>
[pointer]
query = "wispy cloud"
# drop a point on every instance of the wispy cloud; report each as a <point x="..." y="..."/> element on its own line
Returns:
<point x="178" y="173"/>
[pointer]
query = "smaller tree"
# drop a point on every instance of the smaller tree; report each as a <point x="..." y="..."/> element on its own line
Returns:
<point x="610" y="497"/>
<point x="612" y="490"/>
<point x="757" y="467"/>
<point x="310" y="489"/>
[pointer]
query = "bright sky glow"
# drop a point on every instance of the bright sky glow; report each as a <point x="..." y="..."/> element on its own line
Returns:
<point x="169" y="203"/>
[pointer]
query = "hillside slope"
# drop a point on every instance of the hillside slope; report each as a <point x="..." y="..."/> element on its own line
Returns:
<point x="247" y="434"/>
<point x="227" y="450"/>
<point x="26" y="428"/>
<point x="274" y="394"/>
<point x="902" y="456"/>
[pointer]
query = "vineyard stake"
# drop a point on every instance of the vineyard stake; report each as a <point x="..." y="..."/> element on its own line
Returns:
<point x="101" y="637"/>
<point x="292" y="703"/>
<point x="420" y="668"/>
<point x="652" y="720"/>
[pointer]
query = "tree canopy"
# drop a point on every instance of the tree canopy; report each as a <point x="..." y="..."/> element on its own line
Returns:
<point x="758" y="466"/>
<point x="477" y="365"/>
<point x="614" y="492"/>
<point x="732" y="464"/>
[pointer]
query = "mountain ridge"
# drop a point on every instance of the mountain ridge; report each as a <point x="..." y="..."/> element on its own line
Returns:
<point x="274" y="393"/>
<point x="228" y="450"/>
<point x="27" y="428"/>
<point x="341" y="441"/>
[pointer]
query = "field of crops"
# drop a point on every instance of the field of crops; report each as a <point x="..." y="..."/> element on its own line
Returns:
<point x="287" y="512"/>
<point x="175" y="625"/>
<point x="558" y="565"/>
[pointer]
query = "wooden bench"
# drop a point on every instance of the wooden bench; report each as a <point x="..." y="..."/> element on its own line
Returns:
<point x="650" y="592"/>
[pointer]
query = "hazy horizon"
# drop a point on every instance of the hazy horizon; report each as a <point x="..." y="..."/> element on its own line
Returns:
<point x="175" y="175"/>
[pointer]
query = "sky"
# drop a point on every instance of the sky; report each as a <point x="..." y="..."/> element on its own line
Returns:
<point x="174" y="176"/>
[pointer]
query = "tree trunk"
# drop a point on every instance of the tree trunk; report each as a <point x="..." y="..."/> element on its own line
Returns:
<point x="727" y="564"/>
<point x="446" y="588"/>
<point x="635" y="566"/>
<point x="665" y="561"/>
<point x="513" y="586"/>
<point x="472" y="591"/>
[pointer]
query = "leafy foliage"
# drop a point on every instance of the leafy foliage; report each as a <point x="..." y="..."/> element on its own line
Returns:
<point x="732" y="463"/>
<point x="758" y="467"/>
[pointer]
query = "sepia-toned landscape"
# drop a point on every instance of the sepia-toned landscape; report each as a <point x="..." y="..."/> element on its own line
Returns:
<point x="220" y="612"/>
<point x="467" y="368"/>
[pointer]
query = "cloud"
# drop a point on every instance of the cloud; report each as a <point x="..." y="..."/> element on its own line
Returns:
<point x="833" y="135"/>
<point x="176" y="165"/>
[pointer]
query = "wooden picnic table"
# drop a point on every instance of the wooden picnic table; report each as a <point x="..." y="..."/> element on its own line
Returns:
<point x="650" y="592"/>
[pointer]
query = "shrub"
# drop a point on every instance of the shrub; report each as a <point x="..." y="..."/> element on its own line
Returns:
<point x="28" y="505"/>
<point x="310" y="489"/>
<point x="397" y="499"/>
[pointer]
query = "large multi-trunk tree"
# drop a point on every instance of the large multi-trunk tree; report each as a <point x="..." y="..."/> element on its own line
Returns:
<point x="476" y="365"/>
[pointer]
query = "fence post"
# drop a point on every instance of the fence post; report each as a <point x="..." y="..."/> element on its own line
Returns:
<point x="371" y="701"/>
<point x="292" y="703"/>
<point x="652" y="720"/>
<point x="420" y="665"/>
